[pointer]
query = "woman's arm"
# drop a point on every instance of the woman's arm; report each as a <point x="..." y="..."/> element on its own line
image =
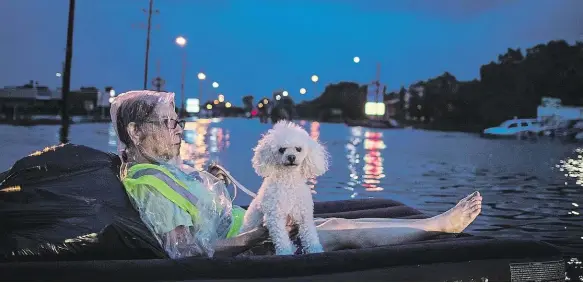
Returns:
<point x="238" y="244"/>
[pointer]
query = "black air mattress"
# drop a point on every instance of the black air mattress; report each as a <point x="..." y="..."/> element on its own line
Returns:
<point x="435" y="257"/>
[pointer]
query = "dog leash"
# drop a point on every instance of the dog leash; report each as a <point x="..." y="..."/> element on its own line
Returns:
<point x="236" y="183"/>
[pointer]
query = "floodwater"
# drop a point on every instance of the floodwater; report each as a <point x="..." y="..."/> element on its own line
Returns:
<point x="531" y="190"/>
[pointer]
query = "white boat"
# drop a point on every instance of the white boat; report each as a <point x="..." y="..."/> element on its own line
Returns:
<point x="515" y="128"/>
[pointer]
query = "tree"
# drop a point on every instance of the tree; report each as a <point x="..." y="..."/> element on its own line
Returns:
<point x="248" y="102"/>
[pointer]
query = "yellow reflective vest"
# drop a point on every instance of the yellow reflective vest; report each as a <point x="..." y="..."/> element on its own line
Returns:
<point x="173" y="189"/>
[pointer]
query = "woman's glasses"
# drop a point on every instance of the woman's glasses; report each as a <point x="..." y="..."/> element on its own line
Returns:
<point x="170" y="123"/>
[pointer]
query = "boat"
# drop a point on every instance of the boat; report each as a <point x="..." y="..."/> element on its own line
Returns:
<point x="52" y="202"/>
<point x="515" y="128"/>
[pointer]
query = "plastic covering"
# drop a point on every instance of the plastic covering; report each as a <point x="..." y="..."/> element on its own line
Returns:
<point x="150" y="133"/>
<point x="177" y="232"/>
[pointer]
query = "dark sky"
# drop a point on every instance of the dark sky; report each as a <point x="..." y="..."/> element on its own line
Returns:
<point x="256" y="46"/>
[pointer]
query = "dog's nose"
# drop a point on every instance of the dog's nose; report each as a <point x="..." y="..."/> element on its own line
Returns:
<point x="291" y="158"/>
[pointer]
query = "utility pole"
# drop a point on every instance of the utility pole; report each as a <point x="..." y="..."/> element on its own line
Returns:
<point x="149" y="12"/>
<point x="66" y="87"/>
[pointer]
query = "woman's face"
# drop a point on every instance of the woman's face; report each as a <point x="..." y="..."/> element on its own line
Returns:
<point x="162" y="133"/>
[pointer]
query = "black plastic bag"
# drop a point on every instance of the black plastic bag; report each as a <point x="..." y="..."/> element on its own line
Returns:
<point x="67" y="203"/>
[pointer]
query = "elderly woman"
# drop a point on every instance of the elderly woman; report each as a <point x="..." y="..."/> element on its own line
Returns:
<point x="190" y="213"/>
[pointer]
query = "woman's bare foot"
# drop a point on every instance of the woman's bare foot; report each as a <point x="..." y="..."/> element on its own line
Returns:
<point x="460" y="216"/>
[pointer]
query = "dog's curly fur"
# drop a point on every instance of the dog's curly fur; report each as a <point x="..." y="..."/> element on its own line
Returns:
<point x="286" y="157"/>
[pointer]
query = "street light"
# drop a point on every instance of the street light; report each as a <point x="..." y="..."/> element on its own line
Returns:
<point x="356" y="59"/>
<point x="221" y="98"/>
<point x="303" y="90"/>
<point x="215" y="84"/>
<point x="285" y="93"/>
<point x="201" y="77"/>
<point x="58" y="75"/>
<point x="181" y="41"/>
<point x="228" y="104"/>
<point x="278" y="97"/>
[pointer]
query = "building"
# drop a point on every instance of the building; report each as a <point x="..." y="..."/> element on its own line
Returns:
<point x="18" y="102"/>
<point x="552" y="108"/>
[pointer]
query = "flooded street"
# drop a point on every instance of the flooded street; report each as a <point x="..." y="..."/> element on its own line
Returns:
<point x="531" y="190"/>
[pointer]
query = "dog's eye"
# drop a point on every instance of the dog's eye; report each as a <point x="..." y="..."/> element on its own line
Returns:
<point x="299" y="149"/>
<point x="281" y="150"/>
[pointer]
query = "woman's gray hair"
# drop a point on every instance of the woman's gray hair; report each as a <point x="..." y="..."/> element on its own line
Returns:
<point x="134" y="106"/>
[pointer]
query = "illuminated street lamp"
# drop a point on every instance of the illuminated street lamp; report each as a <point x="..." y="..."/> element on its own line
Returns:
<point x="181" y="41"/>
<point x="278" y="97"/>
<point x="221" y="98"/>
<point x="356" y="59"/>
<point x="201" y="77"/>
<point x="228" y="104"/>
<point x="285" y="93"/>
<point x="215" y="85"/>
<point x="303" y="90"/>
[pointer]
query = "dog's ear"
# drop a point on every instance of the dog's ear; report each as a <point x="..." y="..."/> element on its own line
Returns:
<point x="316" y="161"/>
<point x="263" y="159"/>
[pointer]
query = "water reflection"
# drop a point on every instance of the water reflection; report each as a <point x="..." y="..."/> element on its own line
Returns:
<point x="314" y="134"/>
<point x="373" y="161"/>
<point x="112" y="136"/>
<point x="202" y="142"/>
<point x="372" y="168"/>
<point x="315" y="130"/>
<point x="193" y="150"/>
<point x="573" y="168"/>
<point x="353" y="159"/>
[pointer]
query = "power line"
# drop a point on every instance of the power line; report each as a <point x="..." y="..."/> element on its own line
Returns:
<point x="150" y="11"/>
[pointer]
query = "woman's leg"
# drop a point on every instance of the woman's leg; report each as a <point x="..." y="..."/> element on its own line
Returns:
<point x="338" y="233"/>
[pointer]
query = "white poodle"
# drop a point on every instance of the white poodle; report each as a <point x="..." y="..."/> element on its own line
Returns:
<point x="286" y="157"/>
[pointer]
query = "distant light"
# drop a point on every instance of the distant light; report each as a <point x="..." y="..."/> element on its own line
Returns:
<point x="221" y="98"/>
<point x="111" y="99"/>
<point x="112" y="93"/>
<point x="215" y="84"/>
<point x="374" y="108"/>
<point x="278" y="97"/>
<point x="228" y="104"/>
<point x="192" y="105"/>
<point x="285" y="93"/>
<point x="181" y="41"/>
<point x="356" y="59"/>
<point x="315" y="78"/>
<point x="216" y="102"/>
<point x="209" y="107"/>
<point x="58" y="75"/>
<point x="201" y="76"/>
<point x="265" y="101"/>
<point x="303" y="90"/>
<point x="260" y="105"/>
